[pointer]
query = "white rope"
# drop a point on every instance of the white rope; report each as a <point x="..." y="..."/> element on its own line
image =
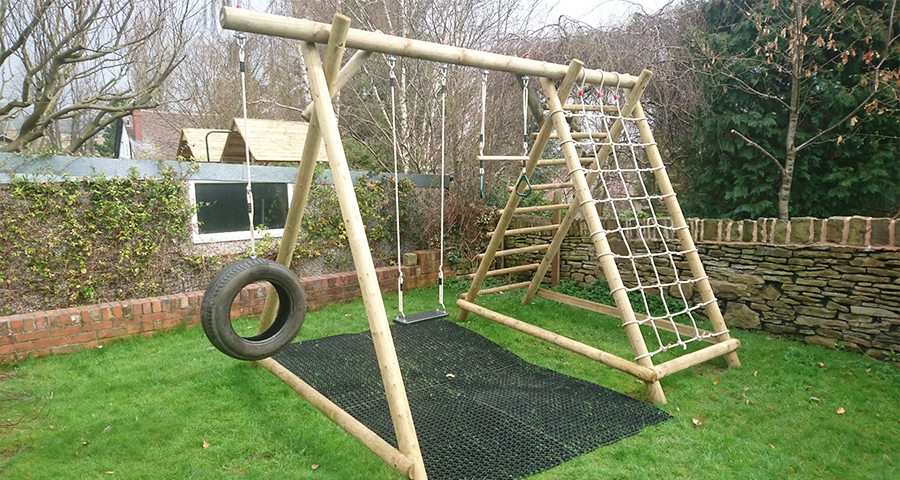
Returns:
<point x="242" y="39"/>
<point x="393" y="82"/>
<point x="481" y="138"/>
<point x="443" y="152"/>
<point x="629" y="203"/>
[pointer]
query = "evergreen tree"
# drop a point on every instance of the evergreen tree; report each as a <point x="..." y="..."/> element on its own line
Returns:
<point x="802" y="100"/>
<point x="108" y="147"/>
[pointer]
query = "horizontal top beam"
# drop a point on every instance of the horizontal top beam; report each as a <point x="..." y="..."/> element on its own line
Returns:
<point x="309" y="31"/>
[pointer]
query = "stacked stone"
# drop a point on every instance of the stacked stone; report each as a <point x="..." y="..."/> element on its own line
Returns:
<point x="834" y="282"/>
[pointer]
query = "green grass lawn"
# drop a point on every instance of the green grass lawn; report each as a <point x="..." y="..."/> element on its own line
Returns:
<point x="171" y="406"/>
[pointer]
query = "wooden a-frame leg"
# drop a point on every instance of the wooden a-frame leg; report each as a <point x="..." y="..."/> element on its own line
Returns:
<point x="598" y="237"/>
<point x="385" y="351"/>
<point x="634" y="95"/>
<point x="534" y="155"/>
<point x="334" y="51"/>
<point x="684" y="235"/>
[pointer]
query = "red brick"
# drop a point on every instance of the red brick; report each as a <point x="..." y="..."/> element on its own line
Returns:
<point x="94" y="326"/>
<point x="61" y="332"/>
<point x="112" y="333"/>
<point x="80" y="337"/>
<point x="8" y="349"/>
<point x="106" y="313"/>
<point x="154" y="317"/>
<point x="171" y="323"/>
<point x="27" y="322"/>
<point x="155" y="306"/>
<point x="47" y="343"/>
<point x="29" y="336"/>
<point x="14" y="323"/>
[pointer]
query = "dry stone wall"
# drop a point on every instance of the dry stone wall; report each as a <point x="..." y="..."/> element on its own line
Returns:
<point x="834" y="282"/>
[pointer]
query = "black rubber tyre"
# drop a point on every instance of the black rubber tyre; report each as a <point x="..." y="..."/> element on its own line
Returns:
<point x="215" y="311"/>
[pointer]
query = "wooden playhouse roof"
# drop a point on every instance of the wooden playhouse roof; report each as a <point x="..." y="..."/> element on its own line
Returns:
<point x="192" y="144"/>
<point x="269" y="141"/>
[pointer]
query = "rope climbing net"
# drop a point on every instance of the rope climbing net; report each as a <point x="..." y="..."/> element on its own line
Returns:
<point x="647" y="251"/>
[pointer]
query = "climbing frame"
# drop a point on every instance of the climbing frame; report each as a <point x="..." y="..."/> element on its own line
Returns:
<point x="620" y="121"/>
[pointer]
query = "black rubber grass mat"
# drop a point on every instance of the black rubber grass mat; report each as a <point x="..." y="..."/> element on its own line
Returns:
<point x="480" y="411"/>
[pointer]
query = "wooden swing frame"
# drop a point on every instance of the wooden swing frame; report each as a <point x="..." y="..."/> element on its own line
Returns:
<point x="326" y="80"/>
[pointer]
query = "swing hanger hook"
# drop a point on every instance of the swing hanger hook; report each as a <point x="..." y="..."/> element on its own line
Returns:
<point x="391" y="61"/>
<point x="241" y="38"/>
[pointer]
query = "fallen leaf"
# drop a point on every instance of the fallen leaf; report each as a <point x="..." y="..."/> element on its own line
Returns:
<point x="840" y="411"/>
<point x="450" y="375"/>
<point x="716" y="381"/>
<point x="771" y="446"/>
<point x="821" y="364"/>
<point x="696" y="422"/>
<point x="815" y="399"/>
<point x="107" y="429"/>
<point x="205" y="443"/>
<point x="756" y="373"/>
<point x="314" y="466"/>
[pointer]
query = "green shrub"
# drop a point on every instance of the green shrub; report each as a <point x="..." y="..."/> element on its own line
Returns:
<point x="77" y="241"/>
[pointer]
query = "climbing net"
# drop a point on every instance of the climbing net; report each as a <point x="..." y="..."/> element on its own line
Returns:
<point x="644" y="244"/>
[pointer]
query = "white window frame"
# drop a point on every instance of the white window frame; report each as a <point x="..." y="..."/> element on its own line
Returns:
<point x="198" y="237"/>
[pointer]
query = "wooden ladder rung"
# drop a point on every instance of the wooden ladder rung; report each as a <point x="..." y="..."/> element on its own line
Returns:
<point x="517" y="251"/>
<point x="547" y="186"/>
<point x="508" y="270"/>
<point x="548" y="162"/>
<point x="501" y="158"/>
<point x="526" y="230"/>
<point x="502" y="288"/>
<point x="575" y="107"/>
<point x="539" y="208"/>
<point x="577" y="135"/>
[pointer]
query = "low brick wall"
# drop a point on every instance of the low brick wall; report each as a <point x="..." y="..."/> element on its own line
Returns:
<point x="67" y="330"/>
<point x="834" y="282"/>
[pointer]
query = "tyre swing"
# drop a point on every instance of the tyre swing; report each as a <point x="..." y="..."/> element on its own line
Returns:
<point x="215" y="310"/>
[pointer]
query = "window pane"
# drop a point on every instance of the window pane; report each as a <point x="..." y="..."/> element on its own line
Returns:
<point x="223" y="206"/>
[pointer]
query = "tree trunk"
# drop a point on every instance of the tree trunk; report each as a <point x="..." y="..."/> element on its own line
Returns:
<point x="790" y="153"/>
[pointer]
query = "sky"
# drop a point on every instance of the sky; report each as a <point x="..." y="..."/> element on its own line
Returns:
<point x="598" y="12"/>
